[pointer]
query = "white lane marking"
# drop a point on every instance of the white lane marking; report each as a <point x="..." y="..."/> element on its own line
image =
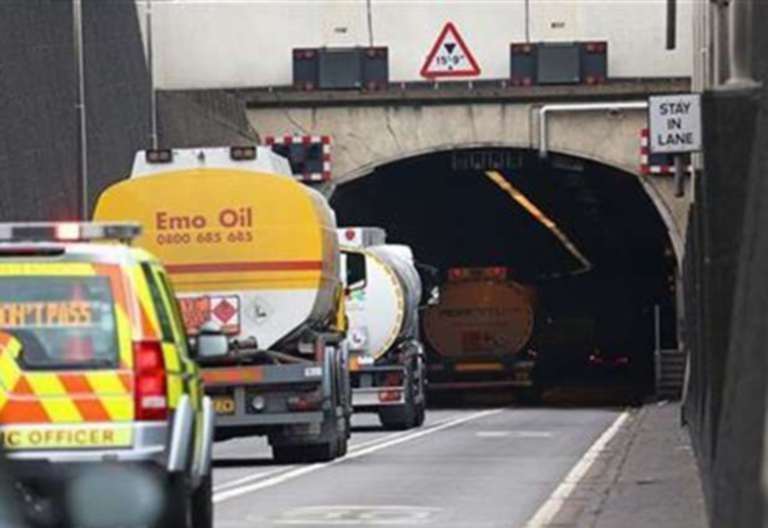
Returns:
<point x="250" y="477"/>
<point x="359" y="515"/>
<point x="514" y="434"/>
<point x="493" y="434"/>
<point x="532" y="434"/>
<point x="367" y="443"/>
<point x="300" y="471"/>
<point x="265" y="474"/>
<point x="547" y="512"/>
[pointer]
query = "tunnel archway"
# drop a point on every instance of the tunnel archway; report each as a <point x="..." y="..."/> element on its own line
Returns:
<point x="537" y="218"/>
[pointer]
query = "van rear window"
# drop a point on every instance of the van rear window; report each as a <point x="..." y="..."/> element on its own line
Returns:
<point x="61" y="321"/>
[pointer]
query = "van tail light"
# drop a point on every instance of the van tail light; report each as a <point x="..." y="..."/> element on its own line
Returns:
<point x="151" y="385"/>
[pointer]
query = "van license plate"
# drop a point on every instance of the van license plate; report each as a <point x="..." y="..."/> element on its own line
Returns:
<point x="224" y="405"/>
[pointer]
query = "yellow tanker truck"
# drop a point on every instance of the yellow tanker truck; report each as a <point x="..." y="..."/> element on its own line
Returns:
<point x="253" y="257"/>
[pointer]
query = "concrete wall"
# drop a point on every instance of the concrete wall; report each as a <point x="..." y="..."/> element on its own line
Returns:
<point x="368" y="136"/>
<point x="38" y="155"/>
<point x="248" y="44"/>
<point x="727" y="299"/>
<point x="39" y="173"/>
<point x="209" y="118"/>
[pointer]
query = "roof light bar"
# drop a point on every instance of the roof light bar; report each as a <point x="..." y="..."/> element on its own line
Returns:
<point x="68" y="231"/>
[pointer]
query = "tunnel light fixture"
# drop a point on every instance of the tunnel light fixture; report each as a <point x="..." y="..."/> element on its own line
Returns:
<point x="523" y="201"/>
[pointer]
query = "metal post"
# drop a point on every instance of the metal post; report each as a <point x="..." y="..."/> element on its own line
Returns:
<point x="527" y="21"/>
<point x="657" y="346"/>
<point x="719" y="38"/>
<point x="740" y="28"/>
<point x="671" y="24"/>
<point x="680" y="170"/>
<point x="80" y="108"/>
<point x="369" y="9"/>
<point x="152" y="92"/>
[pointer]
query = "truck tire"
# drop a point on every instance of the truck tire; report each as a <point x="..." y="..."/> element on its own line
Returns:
<point x="330" y="449"/>
<point x="400" y="417"/>
<point x="530" y="396"/>
<point x="421" y="407"/>
<point x="291" y="454"/>
<point x="421" y="414"/>
<point x="324" y="452"/>
<point x="202" y="504"/>
<point x="177" y="509"/>
<point x="344" y="438"/>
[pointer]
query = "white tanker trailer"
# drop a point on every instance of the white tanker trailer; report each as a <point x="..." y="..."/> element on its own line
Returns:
<point x="387" y="362"/>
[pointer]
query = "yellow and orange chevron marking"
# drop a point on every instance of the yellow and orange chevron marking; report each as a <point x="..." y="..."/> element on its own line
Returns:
<point x="37" y="397"/>
<point x="74" y="396"/>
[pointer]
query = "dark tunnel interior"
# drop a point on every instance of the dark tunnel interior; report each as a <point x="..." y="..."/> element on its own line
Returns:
<point x="452" y="214"/>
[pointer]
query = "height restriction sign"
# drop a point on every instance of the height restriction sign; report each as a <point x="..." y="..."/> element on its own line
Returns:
<point x="450" y="56"/>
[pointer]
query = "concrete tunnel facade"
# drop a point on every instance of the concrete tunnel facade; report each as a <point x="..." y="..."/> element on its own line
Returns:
<point x="369" y="136"/>
<point x="370" y="142"/>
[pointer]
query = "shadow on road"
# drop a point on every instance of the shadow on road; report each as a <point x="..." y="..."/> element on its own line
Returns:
<point x="367" y="429"/>
<point x="243" y="462"/>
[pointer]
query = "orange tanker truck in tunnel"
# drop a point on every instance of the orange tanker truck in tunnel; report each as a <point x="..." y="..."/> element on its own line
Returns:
<point x="479" y="334"/>
<point x="254" y="259"/>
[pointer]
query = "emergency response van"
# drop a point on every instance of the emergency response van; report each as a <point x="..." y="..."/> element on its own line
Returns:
<point x="95" y="367"/>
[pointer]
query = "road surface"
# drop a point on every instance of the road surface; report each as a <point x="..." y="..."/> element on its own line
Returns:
<point x="464" y="468"/>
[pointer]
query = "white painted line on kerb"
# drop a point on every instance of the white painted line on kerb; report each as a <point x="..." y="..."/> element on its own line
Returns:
<point x="304" y="470"/>
<point x="555" y="502"/>
<point x="283" y="469"/>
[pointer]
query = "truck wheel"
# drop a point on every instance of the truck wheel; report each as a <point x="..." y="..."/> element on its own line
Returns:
<point x="399" y="417"/>
<point x="530" y="396"/>
<point x="421" y="408"/>
<point x="177" y="510"/>
<point x="421" y="414"/>
<point x="324" y="452"/>
<point x="202" y="504"/>
<point x="344" y="439"/>
<point x="288" y="454"/>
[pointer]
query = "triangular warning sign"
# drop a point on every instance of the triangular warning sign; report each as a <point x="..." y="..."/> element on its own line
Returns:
<point x="450" y="56"/>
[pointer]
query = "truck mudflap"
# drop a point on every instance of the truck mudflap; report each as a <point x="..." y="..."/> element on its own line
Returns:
<point x="266" y="395"/>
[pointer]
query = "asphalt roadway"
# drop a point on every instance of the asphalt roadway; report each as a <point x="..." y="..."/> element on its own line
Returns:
<point x="463" y="468"/>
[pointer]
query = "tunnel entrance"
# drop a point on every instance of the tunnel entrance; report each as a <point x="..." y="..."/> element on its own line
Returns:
<point x="583" y="237"/>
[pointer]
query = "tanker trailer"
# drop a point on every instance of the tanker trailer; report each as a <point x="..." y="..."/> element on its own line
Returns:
<point x="253" y="257"/>
<point x="387" y="362"/>
<point x="479" y="335"/>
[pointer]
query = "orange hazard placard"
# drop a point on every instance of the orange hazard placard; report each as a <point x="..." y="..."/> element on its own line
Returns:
<point x="450" y="56"/>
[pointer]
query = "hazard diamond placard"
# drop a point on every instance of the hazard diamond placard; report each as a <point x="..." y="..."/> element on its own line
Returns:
<point x="450" y="56"/>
